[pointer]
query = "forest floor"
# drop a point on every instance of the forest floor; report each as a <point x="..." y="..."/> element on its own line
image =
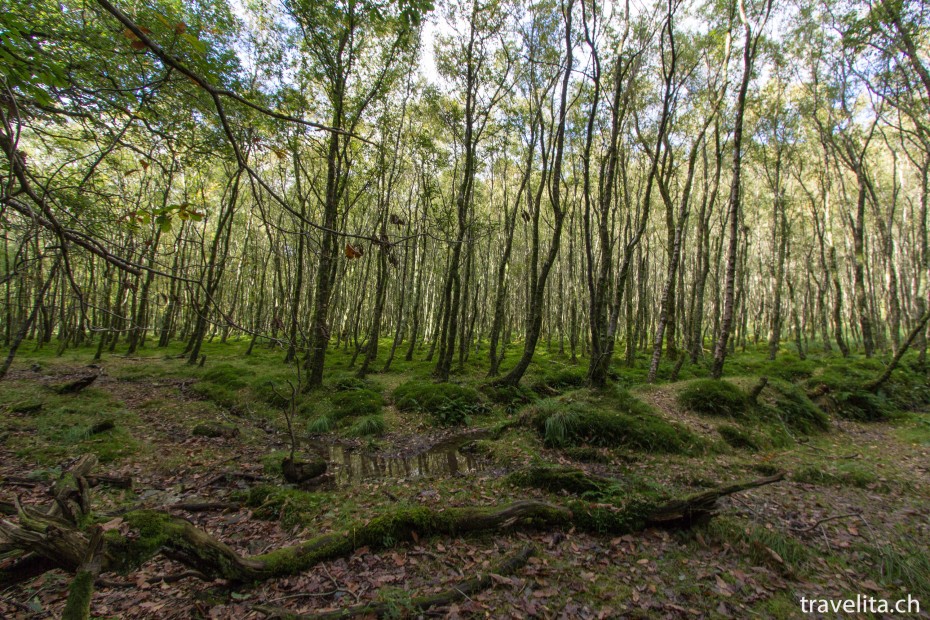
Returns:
<point x="851" y="518"/>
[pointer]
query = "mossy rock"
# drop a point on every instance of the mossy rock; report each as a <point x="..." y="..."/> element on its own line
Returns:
<point x="714" y="397"/>
<point x="214" y="430"/>
<point x="447" y="403"/>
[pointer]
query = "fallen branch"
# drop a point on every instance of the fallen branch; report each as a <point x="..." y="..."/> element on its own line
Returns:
<point x="462" y="590"/>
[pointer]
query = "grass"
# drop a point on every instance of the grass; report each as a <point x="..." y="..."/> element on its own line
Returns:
<point x="738" y="438"/>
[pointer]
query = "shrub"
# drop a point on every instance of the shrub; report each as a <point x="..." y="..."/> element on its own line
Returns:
<point x="713" y="397"/>
<point x="447" y="403"/>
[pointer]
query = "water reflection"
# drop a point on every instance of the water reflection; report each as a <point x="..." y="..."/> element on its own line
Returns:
<point x="348" y="465"/>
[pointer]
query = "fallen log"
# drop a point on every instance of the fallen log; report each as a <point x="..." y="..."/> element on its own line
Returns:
<point x="462" y="590"/>
<point x="73" y="387"/>
<point x="152" y="531"/>
<point x="81" y="589"/>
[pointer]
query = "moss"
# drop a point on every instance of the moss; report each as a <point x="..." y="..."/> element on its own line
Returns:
<point x="846" y="475"/>
<point x="512" y="397"/>
<point x="447" y="403"/>
<point x="560" y="381"/>
<point x="356" y="403"/>
<point x="290" y="506"/>
<point x="226" y="375"/>
<point x="80" y="592"/>
<point x="151" y="530"/>
<point x="613" y="520"/>
<point x="221" y="395"/>
<point x="618" y="419"/>
<point x="842" y="394"/>
<point x="738" y="438"/>
<point x="713" y="397"/>
<point x="796" y="410"/>
<point x="558" y="479"/>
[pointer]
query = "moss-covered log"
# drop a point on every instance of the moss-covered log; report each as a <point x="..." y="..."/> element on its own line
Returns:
<point x="153" y="532"/>
<point x="417" y="605"/>
<point x="82" y="586"/>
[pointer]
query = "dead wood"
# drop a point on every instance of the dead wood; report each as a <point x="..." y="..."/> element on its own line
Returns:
<point x="73" y="387"/>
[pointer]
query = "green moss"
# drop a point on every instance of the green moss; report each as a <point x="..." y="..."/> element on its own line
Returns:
<point x="586" y="454"/>
<point x="615" y="419"/>
<point x="842" y="475"/>
<point x="713" y="397"/>
<point x="226" y="375"/>
<point x="351" y="403"/>
<point x="796" y="410"/>
<point x="738" y="438"/>
<point x="214" y="429"/>
<point x="559" y="381"/>
<point x="447" y="403"/>
<point x="512" y="397"/>
<point x="558" y="479"/>
<point x="79" y="594"/>
<point x="290" y="506"/>
<point x="607" y="519"/>
<point x="219" y="394"/>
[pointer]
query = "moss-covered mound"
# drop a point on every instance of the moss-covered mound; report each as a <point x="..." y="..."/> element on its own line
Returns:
<point x="614" y="419"/>
<point x="447" y="403"/>
<point x="714" y="397"/>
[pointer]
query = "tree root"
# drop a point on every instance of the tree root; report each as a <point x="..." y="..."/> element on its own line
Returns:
<point x="462" y="590"/>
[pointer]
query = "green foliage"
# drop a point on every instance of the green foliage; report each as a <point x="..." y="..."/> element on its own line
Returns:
<point x="737" y="437"/>
<point x="372" y="425"/>
<point x="319" y="425"/>
<point x="218" y="394"/>
<point x="849" y="474"/>
<point x="560" y="381"/>
<point x="713" y="397"/>
<point x="617" y="419"/>
<point x="447" y="403"/>
<point x="290" y="506"/>
<point x="356" y="402"/>
<point x="843" y="395"/>
<point x="792" y="406"/>
<point x="226" y="375"/>
<point x="513" y="397"/>
<point x="909" y="570"/>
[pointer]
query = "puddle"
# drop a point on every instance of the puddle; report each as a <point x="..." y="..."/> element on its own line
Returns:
<point x="348" y="464"/>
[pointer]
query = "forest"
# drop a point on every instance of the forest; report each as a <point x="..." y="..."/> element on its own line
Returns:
<point x="465" y="308"/>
